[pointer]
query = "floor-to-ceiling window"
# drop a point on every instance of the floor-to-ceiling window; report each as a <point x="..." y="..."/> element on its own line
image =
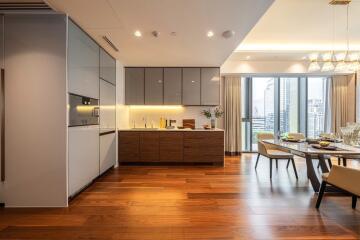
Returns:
<point x="316" y="105"/>
<point x="280" y="105"/>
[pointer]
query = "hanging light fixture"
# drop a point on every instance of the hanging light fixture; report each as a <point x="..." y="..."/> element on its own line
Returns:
<point x="341" y="61"/>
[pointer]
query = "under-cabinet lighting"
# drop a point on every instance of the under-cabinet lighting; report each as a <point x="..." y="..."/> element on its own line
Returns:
<point x="156" y="107"/>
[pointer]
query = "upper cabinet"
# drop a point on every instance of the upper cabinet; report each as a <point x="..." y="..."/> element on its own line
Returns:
<point x="107" y="67"/>
<point x="154" y="86"/>
<point x="134" y="86"/>
<point x="191" y="86"/>
<point x="210" y="86"/>
<point x="172" y="86"/>
<point x="83" y="63"/>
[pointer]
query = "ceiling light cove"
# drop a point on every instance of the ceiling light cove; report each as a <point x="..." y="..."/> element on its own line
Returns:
<point x="210" y="34"/>
<point x="137" y="34"/>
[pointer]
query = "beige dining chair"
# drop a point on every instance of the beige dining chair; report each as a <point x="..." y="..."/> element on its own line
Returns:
<point x="346" y="179"/>
<point x="272" y="152"/>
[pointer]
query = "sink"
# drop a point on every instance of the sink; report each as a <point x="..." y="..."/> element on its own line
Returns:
<point x="144" y="129"/>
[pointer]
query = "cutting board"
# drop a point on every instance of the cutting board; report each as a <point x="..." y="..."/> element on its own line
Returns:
<point x="189" y="123"/>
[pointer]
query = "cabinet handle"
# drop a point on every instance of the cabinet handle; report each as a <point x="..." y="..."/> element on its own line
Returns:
<point x="2" y="157"/>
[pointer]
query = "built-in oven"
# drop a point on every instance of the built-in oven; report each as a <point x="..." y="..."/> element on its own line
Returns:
<point x="83" y="110"/>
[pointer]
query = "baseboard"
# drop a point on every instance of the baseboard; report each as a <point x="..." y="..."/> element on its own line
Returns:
<point x="233" y="153"/>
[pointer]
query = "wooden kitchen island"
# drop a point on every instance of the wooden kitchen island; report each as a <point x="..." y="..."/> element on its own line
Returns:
<point x="171" y="146"/>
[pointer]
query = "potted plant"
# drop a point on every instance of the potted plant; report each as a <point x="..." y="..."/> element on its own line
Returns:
<point x="218" y="113"/>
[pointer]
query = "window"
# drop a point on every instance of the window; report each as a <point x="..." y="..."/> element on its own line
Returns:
<point x="281" y="105"/>
<point x="316" y="105"/>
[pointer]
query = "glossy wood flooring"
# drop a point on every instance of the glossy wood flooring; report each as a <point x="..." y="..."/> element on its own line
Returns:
<point x="192" y="202"/>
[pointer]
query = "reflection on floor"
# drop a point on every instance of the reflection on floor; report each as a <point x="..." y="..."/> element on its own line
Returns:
<point x="192" y="202"/>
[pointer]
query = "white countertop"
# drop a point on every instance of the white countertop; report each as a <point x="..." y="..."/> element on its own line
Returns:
<point x="170" y="130"/>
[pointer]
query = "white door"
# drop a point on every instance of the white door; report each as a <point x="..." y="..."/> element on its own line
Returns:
<point x="107" y="106"/>
<point x="83" y="157"/>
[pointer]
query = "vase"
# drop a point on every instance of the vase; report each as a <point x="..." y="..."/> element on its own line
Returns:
<point x="213" y="123"/>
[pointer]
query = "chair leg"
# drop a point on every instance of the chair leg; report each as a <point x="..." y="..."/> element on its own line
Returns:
<point x="270" y="168"/>
<point x="330" y="163"/>
<point x="287" y="165"/>
<point x="354" y="200"/>
<point x="293" y="163"/>
<point x="257" y="160"/>
<point x="277" y="163"/>
<point x="344" y="162"/>
<point x="339" y="161"/>
<point x="318" y="166"/>
<point x="321" y="194"/>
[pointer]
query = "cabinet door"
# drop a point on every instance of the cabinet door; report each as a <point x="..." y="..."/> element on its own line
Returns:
<point x="83" y="63"/>
<point x="107" y="151"/>
<point x="129" y="148"/>
<point x="154" y="86"/>
<point x="83" y="157"/>
<point x="172" y="86"/>
<point x="107" y="67"/>
<point x="171" y="146"/>
<point x="210" y="86"/>
<point x="134" y="86"/>
<point x="149" y="147"/>
<point x="191" y="86"/>
<point x="107" y="105"/>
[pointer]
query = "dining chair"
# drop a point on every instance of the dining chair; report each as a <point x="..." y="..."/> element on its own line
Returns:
<point x="271" y="152"/>
<point x="343" y="178"/>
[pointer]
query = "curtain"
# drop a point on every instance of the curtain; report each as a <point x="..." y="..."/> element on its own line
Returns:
<point x="328" y="101"/>
<point x="232" y="113"/>
<point x="343" y="101"/>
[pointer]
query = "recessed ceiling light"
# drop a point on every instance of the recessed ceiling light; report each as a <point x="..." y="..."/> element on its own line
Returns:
<point x="137" y="33"/>
<point x="210" y="34"/>
<point x="247" y="57"/>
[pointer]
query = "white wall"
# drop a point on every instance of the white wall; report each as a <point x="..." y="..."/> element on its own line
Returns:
<point x="36" y="132"/>
<point x="122" y="113"/>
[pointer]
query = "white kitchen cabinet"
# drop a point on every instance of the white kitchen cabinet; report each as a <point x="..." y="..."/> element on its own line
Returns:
<point x="107" y="105"/>
<point x="107" y="151"/>
<point x="83" y="157"/>
<point x="107" y="67"/>
<point x="83" y="63"/>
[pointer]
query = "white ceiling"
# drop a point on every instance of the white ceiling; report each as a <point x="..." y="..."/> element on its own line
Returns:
<point x="190" y="19"/>
<point x="291" y="30"/>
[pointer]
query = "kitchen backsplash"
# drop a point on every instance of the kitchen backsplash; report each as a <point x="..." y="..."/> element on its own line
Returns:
<point x="153" y="115"/>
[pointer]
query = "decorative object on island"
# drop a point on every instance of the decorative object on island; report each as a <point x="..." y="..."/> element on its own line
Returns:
<point x="189" y="123"/>
<point x="218" y="113"/>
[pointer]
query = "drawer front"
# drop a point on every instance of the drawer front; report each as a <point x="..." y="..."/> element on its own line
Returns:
<point x="149" y="147"/>
<point x="204" y="147"/>
<point x="129" y="143"/>
<point x="171" y="147"/>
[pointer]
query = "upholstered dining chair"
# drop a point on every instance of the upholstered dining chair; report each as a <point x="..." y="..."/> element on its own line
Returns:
<point x="346" y="179"/>
<point x="272" y="152"/>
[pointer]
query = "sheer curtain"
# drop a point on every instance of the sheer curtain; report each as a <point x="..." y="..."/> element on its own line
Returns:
<point x="328" y="102"/>
<point x="232" y="113"/>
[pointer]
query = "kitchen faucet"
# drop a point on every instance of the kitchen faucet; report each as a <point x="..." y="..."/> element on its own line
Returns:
<point x="145" y="121"/>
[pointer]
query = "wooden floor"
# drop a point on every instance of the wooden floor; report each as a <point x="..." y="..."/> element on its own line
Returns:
<point x="192" y="202"/>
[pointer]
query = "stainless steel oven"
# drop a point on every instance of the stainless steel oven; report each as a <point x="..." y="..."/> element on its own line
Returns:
<point x="83" y="111"/>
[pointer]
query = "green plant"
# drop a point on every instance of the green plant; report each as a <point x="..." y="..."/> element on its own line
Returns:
<point x="218" y="112"/>
<point x="206" y="113"/>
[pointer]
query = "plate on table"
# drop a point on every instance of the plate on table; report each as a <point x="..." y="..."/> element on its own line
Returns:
<point x="330" y="148"/>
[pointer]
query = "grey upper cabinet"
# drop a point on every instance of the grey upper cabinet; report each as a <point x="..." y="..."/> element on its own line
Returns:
<point x="191" y="86"/>
<point x="210" y="86"/>
<point x="83" y="63"/>
<point x="107" y="67"/>
<point x="172" y="86"/>
<point x="154" y="86"/>
<point x="134" y="86"/>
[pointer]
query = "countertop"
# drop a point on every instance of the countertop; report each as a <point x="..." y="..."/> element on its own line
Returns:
<point x="170" y="130"/>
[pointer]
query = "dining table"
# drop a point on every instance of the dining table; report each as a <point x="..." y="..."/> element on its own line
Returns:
<point x="309" y="152"/>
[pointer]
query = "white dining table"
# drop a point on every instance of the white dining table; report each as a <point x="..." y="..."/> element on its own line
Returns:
<point x="305" y="150"/>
